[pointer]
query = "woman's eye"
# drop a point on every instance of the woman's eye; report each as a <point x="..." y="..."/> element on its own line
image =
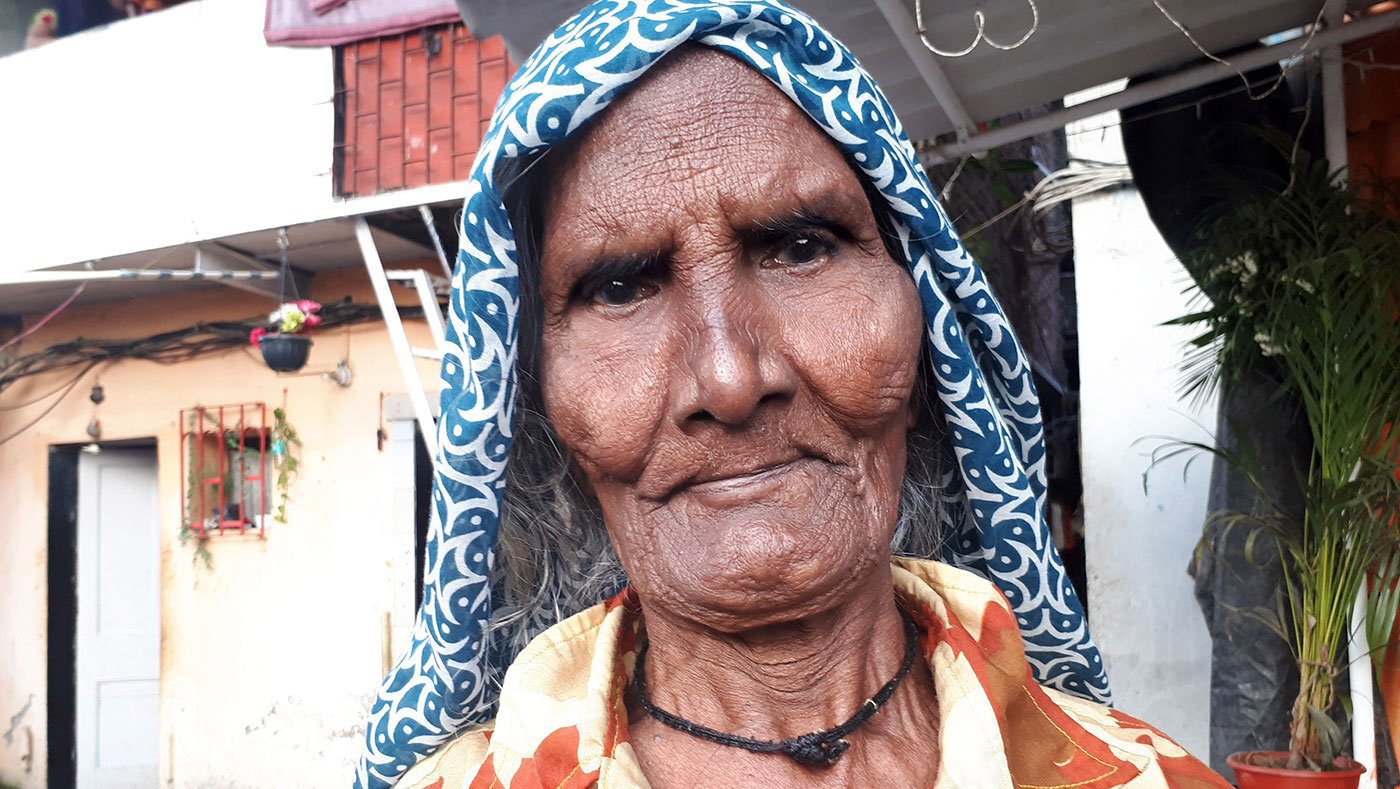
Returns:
<point x="620" y="292"/>
<point x="803" y="249"/>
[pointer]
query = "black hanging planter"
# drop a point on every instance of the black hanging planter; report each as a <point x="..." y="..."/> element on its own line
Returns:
<point x="285" y="353"/>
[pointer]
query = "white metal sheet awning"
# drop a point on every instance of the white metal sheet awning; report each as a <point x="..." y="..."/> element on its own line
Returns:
<point x="1079" y="44"/>
<point x="316" y="247"/>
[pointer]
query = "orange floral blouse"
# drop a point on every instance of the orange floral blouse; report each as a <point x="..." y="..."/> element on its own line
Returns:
<point x="563" y="721"/>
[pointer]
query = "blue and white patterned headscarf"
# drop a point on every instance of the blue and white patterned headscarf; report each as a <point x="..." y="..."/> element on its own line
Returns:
<point x="995" y="525"/>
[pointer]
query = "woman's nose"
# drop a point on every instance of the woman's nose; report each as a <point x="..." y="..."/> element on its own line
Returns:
<point x="733" y="366"/>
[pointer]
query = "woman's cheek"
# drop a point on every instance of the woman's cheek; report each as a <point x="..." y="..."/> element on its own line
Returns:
<point x="604" y="396"/>
<point x="857" y="344"/>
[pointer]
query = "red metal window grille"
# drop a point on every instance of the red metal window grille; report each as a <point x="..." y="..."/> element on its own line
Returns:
<point x="224" y="462"/>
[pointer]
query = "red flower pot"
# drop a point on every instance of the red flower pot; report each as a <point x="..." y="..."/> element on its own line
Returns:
<point x="1344" y="775"/>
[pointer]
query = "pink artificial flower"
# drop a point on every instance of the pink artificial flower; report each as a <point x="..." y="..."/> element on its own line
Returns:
<point x="255" y="336"/>
<point x="308" y="306"/>
<point x="312" y="320"/>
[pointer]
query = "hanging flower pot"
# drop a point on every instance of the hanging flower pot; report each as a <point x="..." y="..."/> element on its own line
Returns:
<point x="285" y="353"/>
<point x="285" y="345"/>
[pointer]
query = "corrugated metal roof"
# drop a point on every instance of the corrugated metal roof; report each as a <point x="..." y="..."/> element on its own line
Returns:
<point x="1079" y="44"/>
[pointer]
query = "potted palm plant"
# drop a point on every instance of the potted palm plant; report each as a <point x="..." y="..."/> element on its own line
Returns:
<point x="1304" y="279"/>
<point x="284" y="342"/>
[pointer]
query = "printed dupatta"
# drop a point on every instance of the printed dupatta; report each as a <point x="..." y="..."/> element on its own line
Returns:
<point x="995" y="499"/>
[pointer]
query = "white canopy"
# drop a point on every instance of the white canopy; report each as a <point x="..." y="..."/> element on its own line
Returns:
<point x="1078" y="44"/>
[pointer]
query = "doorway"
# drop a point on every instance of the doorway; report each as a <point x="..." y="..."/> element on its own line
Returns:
<point x="115" y="544"/>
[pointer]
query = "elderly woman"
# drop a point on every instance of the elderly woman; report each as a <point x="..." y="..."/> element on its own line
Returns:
<point x="716" y="354"/>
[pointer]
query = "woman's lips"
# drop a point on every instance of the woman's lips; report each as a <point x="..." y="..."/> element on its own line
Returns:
<point x="744" y="486"/>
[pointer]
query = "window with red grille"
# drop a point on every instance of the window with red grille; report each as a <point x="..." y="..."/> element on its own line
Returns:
<point x="412" y="108"/>
<point x="224" y="463"/>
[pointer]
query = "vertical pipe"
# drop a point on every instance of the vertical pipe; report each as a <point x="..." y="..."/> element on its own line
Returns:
<point x="221" y="456"/>
<point x="185" y="502"/>
<point x="1333" y="95"/>
<point x="386" y="645"/>
<point x="262" y="469"/>
<point x="197" y="435"/>
<point x="1363" y="721"/>
<point x="427" y="214"/>
<point x="242" y="466"/>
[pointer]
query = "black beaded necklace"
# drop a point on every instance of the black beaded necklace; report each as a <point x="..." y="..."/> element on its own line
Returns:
<point x="818" y="749"/>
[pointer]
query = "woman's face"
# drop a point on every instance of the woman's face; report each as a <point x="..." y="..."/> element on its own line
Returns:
<point x="728" y="350"/>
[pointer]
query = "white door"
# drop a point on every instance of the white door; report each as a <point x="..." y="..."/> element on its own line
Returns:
<point x="118" y="669"/>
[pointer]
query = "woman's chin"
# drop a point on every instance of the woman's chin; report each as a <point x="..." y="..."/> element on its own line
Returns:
<point x="776" y="547"/>
<point x="770" y="573"/>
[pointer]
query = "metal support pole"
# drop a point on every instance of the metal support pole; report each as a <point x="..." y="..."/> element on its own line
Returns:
<point x="1334" y="124"/>
<point x="427" y="215"/>
<point x="906" y="32"/>
<point x="431" y="310"/>
<point x="1363" y="720"/>
<point x="408" y="368"/>
<point x="1334" y="111"/>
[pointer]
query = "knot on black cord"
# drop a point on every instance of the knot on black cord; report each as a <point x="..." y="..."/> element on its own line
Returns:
<point x="816" y="749"/>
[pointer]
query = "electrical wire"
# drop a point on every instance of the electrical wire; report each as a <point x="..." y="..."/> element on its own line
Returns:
<point x="165" y="348"/>
<point x="925" y="145"/>
<point x="1185" y="105"/>
<point x="1078" y="180"/>
<point x="1298" y="144"/>
<point x="979" y="20"/>
<point x="283" y="243"/>
<point x="1071" y="183"/>
<point x="39" y="324"/>
<point x="36" y="420"/>
<point x="48" y="394"/>
<point x="1247" y="86"/>
<point x="1283" y="73"/>
<point x="952" y="179"/>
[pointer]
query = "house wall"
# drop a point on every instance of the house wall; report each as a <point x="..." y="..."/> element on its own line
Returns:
<point x="1373" y="108"/>
<point x="171" y="128"/>
<point x="167" y="128"/>
<point x="269" y="661"/>
<point x="1139" y="540"/>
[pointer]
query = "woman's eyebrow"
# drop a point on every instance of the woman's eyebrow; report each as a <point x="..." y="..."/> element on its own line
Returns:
<point x="831" y="215"/>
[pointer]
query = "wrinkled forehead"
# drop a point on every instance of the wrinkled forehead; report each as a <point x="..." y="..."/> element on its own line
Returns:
<point x="701" y="126"/>
<point x="692" y="95"/>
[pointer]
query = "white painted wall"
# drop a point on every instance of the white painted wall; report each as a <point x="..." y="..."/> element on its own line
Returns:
<point x="165" y="129"/>
<point x="1142" y="611"/>
<point x="158" y="130"/>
